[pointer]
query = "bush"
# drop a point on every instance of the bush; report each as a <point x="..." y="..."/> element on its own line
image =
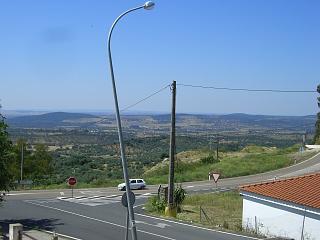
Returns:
<point x="158" y="205"/>
<point x="209" y="159"/>
<point x="179" y="195"/>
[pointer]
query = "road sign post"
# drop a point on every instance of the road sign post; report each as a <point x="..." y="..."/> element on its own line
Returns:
<point x="124" y="201"/>
<point x="72" y="181"/>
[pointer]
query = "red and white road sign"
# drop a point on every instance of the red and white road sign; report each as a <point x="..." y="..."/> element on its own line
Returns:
<point x="72" y="181"/>
<point x="215" y="176"/>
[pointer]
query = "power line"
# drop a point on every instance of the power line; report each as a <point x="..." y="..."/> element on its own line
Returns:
<point x="247" y="89"/>
<point x="140" y="101"/>
<point x="146" y="98"/>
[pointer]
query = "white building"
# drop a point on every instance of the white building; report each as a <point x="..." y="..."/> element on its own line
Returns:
<point x="287" y="208"/>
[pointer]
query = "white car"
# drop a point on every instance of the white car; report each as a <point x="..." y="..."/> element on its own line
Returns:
<point x="134" y="184"/>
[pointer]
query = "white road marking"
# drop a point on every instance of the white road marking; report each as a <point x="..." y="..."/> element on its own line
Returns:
<point x="193" y="226"/>
<point x="17" y="194"/>
<point x="189" y="187"/>
<point x="138" y="205"/>
<point x="97" y="220"/>
<point x="79" y="197"/>
<point x="146" y="194"/>
<point x="42" y="201"/>
<point x="90" y="201"/>
<point x="91" y="192"/>
<point x="160" y="225"/>
<point x="93" y="201"/>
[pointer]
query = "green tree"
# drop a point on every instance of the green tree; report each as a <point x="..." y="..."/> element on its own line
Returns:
<point x="16" y="162"/>
<point x="37" y="161"/>
<point x="316" y="138"/>
<point x="6" y="176"/>
<point x="41" y="161"/>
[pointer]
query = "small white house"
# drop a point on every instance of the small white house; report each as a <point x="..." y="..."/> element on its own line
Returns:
<point x="287" y="208"/>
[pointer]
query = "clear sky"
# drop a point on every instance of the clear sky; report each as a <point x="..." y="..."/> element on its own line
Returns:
<point x="53" y="54"/>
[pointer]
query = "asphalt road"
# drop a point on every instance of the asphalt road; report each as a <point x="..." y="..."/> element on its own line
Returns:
<point x="96" y="214"/>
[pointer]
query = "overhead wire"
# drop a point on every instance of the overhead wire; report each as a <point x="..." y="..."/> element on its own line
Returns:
<point x="138" y="102"/>
<point x="145" y="98"/>
<point x="211" y="87"/>
<point x="247" y="89"/>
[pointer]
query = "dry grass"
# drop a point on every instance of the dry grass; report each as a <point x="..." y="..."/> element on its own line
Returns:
<point x="224" y="210"/>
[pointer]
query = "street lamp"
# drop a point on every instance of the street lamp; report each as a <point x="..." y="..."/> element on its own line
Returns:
<point x="148" y="6"/>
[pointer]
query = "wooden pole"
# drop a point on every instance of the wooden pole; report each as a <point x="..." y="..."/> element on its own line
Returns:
<point x="170" y="211"/>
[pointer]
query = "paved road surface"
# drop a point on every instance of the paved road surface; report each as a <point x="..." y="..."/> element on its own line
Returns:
<point x="97" y="218"/>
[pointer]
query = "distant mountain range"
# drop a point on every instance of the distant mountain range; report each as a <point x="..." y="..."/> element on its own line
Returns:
<point x="150" y="121"/>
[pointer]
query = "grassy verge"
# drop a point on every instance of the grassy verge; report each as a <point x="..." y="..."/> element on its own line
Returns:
<point x="232" y="165"/>
<point x="221" y="210"/>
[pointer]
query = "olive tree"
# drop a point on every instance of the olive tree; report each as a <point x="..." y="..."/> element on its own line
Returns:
<point x="6" y="177"/>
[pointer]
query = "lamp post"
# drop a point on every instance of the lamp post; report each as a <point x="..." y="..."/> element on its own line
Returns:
<point x="148" y="6"/>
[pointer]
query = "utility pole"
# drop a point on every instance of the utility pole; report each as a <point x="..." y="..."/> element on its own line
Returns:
<point x="170" y="209"/>
<point x="303" y="143"/>
<point x="21" y="167"/>
<point x="217" y="147"/>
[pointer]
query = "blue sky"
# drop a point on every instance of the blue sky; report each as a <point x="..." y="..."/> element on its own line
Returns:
<point x="53" y="54"/>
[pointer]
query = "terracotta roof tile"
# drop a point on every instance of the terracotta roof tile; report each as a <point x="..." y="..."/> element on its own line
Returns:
<point x="303" y="190"/>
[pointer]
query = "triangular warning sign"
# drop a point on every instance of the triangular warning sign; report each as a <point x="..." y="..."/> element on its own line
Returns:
<point x="215" y="177"/>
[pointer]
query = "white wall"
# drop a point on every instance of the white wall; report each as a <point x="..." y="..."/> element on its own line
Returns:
<point x="279" y="219"/>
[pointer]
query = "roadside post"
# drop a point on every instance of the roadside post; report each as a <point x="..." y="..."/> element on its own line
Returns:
<point x="124" y="201"/>
<point x="72" y="181"/>
<point x="15" y="231"/>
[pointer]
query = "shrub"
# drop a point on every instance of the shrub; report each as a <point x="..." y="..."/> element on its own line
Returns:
<point x="209" y="159"/>
<point x="179" y="195"/>
<point x="225" y="225"/>
<point x="157" y="205"/>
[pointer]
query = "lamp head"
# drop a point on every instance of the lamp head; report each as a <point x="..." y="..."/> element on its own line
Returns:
<point x="149" y="5"/>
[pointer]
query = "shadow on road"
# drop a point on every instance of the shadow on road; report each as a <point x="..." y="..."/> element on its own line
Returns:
<point x="29" y="223"/>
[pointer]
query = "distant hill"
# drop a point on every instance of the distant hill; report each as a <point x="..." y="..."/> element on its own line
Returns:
<point x="265" y="121"/>
<point x="197" y="122"/>
<point x="52" y="120"/>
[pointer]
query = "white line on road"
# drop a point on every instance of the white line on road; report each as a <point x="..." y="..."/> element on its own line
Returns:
<point x="17" y="194"/>
<point x="139" y="205"/>
<point x="188" y="225"/>
<point x="98" y="220"/>
<point x="91" y="192"/>
<point x="160" y="225"/>
<point x="189" y="186"/>
<point x="146" y="194"/>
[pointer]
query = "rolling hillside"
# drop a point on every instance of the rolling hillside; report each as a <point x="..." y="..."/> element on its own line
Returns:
<point x="196" y="122"/>
<point x="52" y="120"/>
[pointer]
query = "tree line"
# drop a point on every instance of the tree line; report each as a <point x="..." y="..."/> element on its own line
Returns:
<point x="37" y="161"/>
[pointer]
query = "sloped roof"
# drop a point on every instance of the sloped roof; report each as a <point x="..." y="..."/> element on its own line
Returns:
<point x="303" y="190"/>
